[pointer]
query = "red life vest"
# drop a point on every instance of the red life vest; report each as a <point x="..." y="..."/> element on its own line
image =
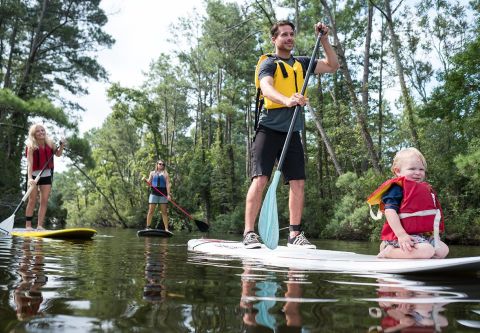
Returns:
<point x="41" y="156"/>
<point x="417" y="210"/>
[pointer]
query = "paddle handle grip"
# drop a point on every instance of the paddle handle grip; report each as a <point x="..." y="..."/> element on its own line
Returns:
<point x="297" y="108"/>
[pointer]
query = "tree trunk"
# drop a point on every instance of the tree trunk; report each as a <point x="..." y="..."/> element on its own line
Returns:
<point x="174" y="130"/>
<point x="326" y="141"/>
<point x="248" y="144"/>
<point x="380" y="94"/>
<point x="233" y="187"/>
<point x="366" y="59"/>
<point x="7" y="81"/>
<point x="16" y="139"/>
<point x="407" y="100"/>
<point x="166" y="123"/>
<point x="361" y="118"/>
<point x="37" y="37"/>
<point x="121" y="220"/>
<point x="320" y="166"/>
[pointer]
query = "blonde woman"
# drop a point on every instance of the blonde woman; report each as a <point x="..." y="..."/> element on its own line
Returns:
<point x="39" y="150"/>
<point x="160" y="185"/>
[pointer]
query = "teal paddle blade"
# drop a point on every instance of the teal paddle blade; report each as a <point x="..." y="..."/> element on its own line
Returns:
<point x="268" y="224"/>
<point x="266" y="291"/>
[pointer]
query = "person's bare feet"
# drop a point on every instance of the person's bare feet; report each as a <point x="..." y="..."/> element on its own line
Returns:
<point x="384" y="253"/>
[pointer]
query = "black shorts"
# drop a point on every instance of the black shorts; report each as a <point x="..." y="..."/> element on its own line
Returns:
<point x="266" y="149"/>
<point x="42" y="181"/>
<point x="45" y="180"/>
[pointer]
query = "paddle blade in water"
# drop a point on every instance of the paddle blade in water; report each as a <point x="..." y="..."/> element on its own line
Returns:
<point x="202" y="226"/>
<point x="6" y="226"/>
<point x="268" y="224"/>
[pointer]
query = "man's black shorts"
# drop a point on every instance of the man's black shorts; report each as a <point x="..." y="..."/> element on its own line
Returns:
<point x="266" y="149"/>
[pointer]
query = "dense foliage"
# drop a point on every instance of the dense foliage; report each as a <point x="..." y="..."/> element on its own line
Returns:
<point x="409" y="77"/>
<point x="46" y="49"/>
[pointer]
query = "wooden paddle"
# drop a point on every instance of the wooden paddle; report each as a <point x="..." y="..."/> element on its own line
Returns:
<point x="7" y="225"/>
<point x="268" y="221"/>
<point x="201" y="225"/>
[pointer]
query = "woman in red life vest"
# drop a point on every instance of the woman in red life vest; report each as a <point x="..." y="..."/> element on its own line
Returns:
<point x="39" y="150"/>
<point x="413" y="212"/>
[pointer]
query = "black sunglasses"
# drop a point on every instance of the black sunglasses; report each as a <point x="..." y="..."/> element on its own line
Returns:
<point x="160" y="163"/>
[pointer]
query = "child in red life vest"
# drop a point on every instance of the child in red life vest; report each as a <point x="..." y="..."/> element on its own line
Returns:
<point x="40" y="149"/>
<point x="413" y="213"/>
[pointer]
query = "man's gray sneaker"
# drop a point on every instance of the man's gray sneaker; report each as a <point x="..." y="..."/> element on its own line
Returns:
<point x="300" y="241"/>
<point x="251" y="241"/>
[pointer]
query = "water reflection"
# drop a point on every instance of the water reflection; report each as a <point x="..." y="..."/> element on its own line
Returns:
<point x="27" y="294"/>
<point x="400" y="307"/>
<point x="129" y="284"/>
<point x="259" y="297"/>
<point x="155" y="270"/>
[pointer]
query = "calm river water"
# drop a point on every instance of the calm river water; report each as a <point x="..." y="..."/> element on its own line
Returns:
<point x="118" y="282"/>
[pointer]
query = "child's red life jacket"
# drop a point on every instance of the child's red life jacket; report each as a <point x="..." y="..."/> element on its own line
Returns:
<point x="41" y="156"/>
<point x="418" y="210"/>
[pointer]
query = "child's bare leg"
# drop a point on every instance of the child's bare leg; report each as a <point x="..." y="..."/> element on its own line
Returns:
<point x="442" y="251"/>
<point x="32" y="200"/>
<point x="384" y="251"/>
<point x="419" y="251"/>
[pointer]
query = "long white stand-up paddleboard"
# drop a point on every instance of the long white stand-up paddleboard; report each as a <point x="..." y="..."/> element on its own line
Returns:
<point x="336" y="261"/>
<point x="73" y="233"/>
<point x="154" y="233"/>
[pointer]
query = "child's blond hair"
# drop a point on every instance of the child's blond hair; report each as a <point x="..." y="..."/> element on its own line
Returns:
<point x="32" y="142"/>
<point x="403" y="154"/>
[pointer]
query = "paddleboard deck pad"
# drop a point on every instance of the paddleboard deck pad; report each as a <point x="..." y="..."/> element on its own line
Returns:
<point x="334" y="261"/>
<point x="154" y="233"/>
<point x="72" y="233"/>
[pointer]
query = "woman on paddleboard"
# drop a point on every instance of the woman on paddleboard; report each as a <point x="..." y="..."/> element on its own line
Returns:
<point x="413" y="212"/>
<point x="40" y="150"/>
<point x="160" y="191"/>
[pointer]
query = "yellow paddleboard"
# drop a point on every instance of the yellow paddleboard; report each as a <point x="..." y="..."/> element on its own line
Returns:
<point x="73" y="233"/>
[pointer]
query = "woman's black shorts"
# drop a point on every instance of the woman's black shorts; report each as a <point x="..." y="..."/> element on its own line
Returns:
<point x="42" y="181"/>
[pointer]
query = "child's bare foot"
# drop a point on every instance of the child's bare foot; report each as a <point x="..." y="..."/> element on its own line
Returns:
<point x="29" y="229"/>
<point x="40" y="228"/>
<point x="384" y="253"/>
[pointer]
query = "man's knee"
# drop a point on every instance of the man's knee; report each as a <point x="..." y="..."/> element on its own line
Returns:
<point x="259" y="182"/>
<point x="297" y="185"/>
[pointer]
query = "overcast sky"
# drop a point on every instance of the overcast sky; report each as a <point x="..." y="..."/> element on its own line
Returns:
<point x="140" y="28"/>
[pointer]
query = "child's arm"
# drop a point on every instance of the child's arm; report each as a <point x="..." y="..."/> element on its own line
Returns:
<point x="404" y="239"/>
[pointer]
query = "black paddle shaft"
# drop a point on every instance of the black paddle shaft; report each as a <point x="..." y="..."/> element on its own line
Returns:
<point x="297" y="108"/>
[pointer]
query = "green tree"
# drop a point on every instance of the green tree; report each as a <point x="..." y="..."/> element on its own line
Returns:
<point x="46" y="46"/>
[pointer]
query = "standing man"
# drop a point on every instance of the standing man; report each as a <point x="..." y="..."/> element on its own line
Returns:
<point x="281" y="79"/>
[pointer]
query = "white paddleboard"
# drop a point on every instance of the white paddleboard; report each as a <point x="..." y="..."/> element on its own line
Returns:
<point x="336" y="261"/>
